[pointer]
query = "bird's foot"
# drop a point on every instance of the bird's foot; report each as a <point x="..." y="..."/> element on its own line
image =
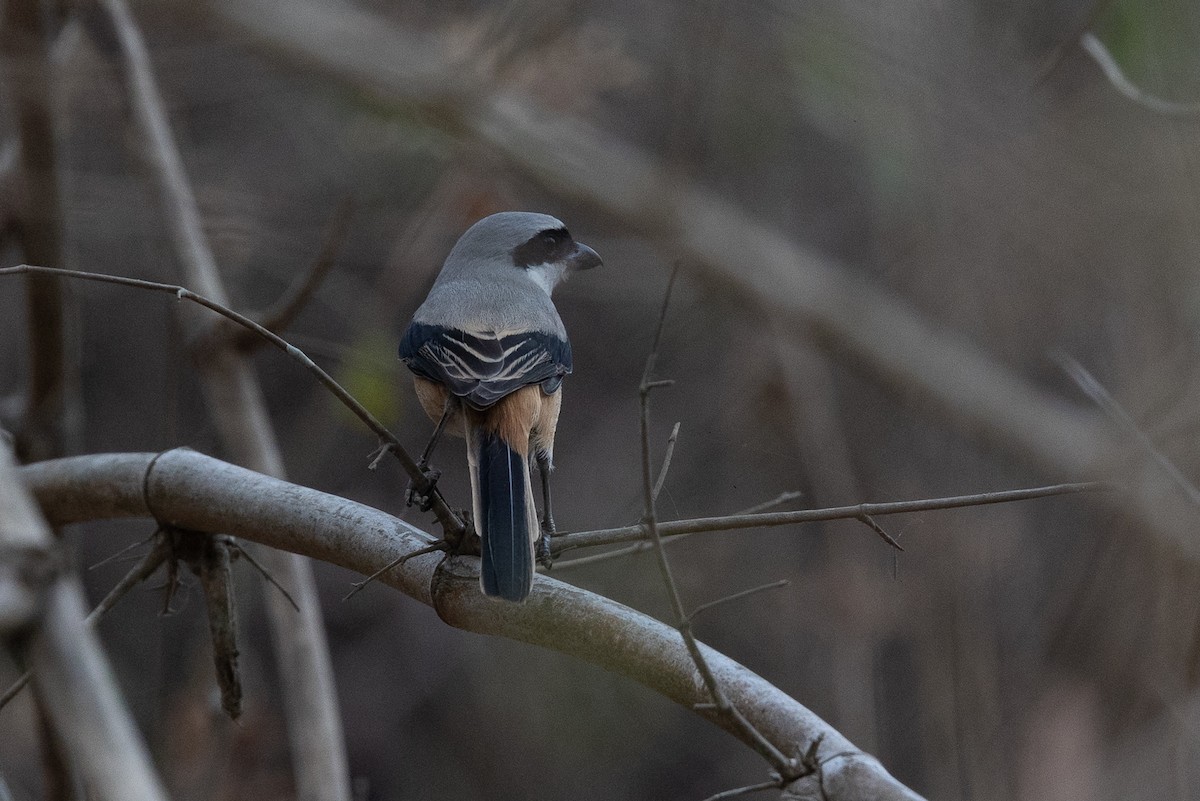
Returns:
<point x="542" y="548"/>
<point x="422" y="500"/>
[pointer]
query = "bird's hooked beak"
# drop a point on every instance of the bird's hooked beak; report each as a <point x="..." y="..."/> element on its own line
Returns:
<point x="584" y="258"/>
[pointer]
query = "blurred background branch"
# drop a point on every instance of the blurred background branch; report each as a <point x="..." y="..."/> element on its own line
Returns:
<point x="31" y="82"/>
<point x="237" y="406"/>
<point x="42" y="622"/>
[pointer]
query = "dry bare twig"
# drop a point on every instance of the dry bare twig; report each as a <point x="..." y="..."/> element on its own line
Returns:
<point x="676" y="528"/>
<point x="737" y="596"/>
<point x="643" y="546"/>
<point x="784" y="766"/>
<point x="666" y="463"/>
<point x="445" y="516"/>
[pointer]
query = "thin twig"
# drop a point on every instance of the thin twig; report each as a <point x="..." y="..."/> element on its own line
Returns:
<point x="142" y="571"/>
<point x="1112" y="70"/>
<point x="15" y="689"/>
<point x="778" y="500"/>
<point x="618" y="553"/>
<point x="878" y="529"/>
<point x="737" y="792"/>
<point x="378" y="454"/>
<point x="361" y="585"/>
<point x="662" y="324"/>
<point x="666" y="462"/>
<point x="675" y="528"/>
<point x="441" y="510"/>
<point x="112" y="557"/>
<point x="266" y="574"/>
<point x="737" y="596"/>
<point x="766" y="749"/>
<point x="643" y="546"/>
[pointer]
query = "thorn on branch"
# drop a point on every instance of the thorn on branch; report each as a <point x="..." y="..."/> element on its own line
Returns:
<point x="809" y="761"/>
<point x="377" y="455"/>
<point x="119" y="554"/>
<point x="238" y="551"/>
<point x="878" y="529"/>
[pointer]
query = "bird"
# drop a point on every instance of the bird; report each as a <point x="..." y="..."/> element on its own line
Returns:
<point x="488" y="352"/>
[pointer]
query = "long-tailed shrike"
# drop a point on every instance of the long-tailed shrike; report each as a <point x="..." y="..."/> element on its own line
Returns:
<point x="489" y="353"/>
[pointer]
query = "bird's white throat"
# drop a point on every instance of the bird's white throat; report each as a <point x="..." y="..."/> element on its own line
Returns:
<point x="546" y="276"/>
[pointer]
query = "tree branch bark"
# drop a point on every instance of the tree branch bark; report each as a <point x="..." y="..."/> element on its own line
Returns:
<point x="197" y="492"/>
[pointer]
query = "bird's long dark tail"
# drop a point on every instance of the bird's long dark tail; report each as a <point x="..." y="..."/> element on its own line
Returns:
<point x="504" y="515"/>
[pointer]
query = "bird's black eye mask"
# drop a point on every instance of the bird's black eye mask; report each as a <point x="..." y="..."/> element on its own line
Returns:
<point x="549" y="246"/>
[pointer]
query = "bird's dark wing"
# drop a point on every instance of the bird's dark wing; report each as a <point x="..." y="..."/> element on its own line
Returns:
<point x="483" y="368"/>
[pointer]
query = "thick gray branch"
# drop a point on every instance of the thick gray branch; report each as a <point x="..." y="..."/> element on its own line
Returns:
<point x="198" y="492"/>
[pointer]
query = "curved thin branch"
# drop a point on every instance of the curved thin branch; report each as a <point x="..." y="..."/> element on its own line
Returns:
<point x="441" y="510"/>
<point x="1095" y="48"/>
<point x="205" y="494"/>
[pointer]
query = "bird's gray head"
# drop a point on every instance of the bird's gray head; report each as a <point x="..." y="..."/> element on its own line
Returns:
<point x="535" y="245"/>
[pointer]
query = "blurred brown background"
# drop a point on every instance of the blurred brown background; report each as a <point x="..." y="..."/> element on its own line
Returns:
<point x="968" y="159"/>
